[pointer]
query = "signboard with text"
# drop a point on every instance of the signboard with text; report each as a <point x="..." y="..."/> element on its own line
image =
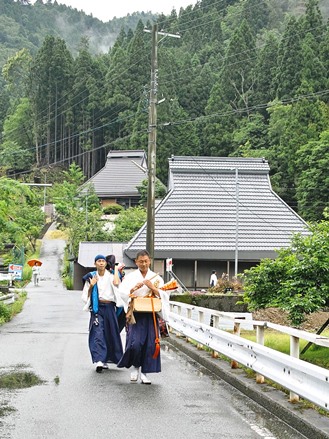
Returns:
<point x="17" y="270"/>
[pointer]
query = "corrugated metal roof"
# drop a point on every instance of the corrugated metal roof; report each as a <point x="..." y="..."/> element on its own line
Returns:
<point x="120" y="175"/>
<point x="88" y="251"/>
<point x="200" y="216"/>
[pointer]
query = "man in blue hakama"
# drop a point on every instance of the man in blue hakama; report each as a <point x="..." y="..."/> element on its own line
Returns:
<point x="102" y="298"/>
<point x="141" y="330"/>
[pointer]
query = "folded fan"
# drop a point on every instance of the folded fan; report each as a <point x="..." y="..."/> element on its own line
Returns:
<point x="171" y="285"/>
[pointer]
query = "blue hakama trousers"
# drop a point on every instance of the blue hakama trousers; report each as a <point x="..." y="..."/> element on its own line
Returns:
<point x="140" y="345"/>
<point x="104" y="339"/>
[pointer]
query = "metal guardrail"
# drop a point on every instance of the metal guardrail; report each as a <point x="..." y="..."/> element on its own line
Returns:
<point x="7" y="298"/>
<point x="7" y="276"/>
<point x="300" y="377"/>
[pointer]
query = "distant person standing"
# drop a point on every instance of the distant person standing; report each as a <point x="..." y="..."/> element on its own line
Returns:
<point x="36" y="274"/>
<point x="213" y="278"/>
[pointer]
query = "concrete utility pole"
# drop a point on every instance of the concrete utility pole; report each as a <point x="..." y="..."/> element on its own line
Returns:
<point x="237" y="223"/>
<point x="151" y="153"/>
<point x="152" y="133"/>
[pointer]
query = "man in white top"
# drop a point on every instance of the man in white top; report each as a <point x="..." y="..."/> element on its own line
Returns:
<point x="213" y="279"/>
<point x="142" y="343"/>
<point x="102" y="298"/>
<point x="36" y="274"/>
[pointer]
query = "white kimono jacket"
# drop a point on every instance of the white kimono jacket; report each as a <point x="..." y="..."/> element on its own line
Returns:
<point x="131" y="279"/>
<point x="106" y="291"/>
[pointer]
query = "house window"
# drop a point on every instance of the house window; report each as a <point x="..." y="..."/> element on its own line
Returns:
<point x="128" y="202"/>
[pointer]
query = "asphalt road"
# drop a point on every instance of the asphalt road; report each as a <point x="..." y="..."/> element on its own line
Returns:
<point x="49" y="337"/>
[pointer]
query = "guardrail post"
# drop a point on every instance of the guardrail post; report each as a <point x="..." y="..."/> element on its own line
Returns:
<point x="294" y="352"/>
<point x="201" y="320"/>
<point x="260" y="338"/>
<point x="189" y="316"/>
<point x="215" y="323"/>
<point x="179" y="312"/>
<point x="236" y="331"/>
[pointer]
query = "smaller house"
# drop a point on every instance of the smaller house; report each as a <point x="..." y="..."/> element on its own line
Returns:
<point x="87" y="253"/>
<point x="117" y="181"/>
<point x="221" y="214"/>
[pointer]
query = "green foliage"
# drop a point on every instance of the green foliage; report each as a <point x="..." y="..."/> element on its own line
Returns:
<point x="5" y="313"/>
<point x="60" y="102"/>
<point x="313" y="180"/>
<point x="78" y="209"/>
<point x="297" y="280"/>
<point x="127" y="224"/>
<point x="112" y="209"/>
<point x="21" y="218"/>
<point x="159" y="189"/>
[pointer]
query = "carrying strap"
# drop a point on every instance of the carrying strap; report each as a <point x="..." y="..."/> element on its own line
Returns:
<point x="156" y="332"/>
<point x="94" y="296"/>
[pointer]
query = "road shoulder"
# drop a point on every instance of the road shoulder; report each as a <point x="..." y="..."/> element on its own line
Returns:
<point x="306" y="421"/>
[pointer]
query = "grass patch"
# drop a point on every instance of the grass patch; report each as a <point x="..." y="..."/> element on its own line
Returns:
<point x="19" y="380"/>
<point x="5" y="410"/>
<point x="17" y="306"/>
<point x="7" y="312"/>
<point x="317" y="355"/>
<point x="57" y="234"/>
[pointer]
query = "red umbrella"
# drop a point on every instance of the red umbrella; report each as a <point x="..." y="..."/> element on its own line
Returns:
<point x="33" y="262"/>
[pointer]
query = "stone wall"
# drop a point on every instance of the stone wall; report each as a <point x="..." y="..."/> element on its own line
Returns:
<point x="219" y="302"/>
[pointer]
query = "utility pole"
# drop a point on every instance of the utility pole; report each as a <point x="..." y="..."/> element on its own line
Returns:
<point x="151" y="153"/>
<point x="152" y="134"/>
<point x="237" y="222"/>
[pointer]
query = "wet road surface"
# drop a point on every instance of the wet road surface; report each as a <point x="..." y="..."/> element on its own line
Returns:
<point x="50" y="338"/>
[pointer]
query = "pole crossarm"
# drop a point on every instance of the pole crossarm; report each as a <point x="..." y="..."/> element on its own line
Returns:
<point x="166" y="34"/>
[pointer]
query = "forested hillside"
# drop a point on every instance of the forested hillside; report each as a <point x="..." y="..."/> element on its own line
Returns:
<point x="25" y="25"/>
<point x="247" y="78"/>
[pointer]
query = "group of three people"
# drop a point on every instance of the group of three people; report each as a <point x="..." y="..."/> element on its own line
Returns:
<point x="105" y="299"/>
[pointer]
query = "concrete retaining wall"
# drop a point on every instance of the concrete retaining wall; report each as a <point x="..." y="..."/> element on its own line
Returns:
<point x="225" y="303"/>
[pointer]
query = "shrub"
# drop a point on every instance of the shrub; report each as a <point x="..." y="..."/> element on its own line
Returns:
<point x="225" y="285"/>
<point x="112" y="209"/>
<point x="5" y="313"/>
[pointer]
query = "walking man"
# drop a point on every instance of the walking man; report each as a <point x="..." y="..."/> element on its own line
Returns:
<point x="102" y="298"/>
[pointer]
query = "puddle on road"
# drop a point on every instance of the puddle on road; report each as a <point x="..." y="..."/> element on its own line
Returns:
<point x="15" y="379"/>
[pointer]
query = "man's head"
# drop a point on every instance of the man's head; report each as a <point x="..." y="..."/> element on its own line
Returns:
<point x="100" y="262"/>
<point x="110" y="259"/>
<point x="143" y="261"/>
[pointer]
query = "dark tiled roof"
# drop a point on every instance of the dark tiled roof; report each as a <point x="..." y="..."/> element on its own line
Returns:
<point x="199" y="217"/>
<point x="120" y="175"/>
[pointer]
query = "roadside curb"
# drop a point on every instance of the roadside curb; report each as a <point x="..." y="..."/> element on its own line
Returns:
<point x="306" y="421"/>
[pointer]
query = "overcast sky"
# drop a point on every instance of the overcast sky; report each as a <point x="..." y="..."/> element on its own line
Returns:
<point x="105" y="10"/>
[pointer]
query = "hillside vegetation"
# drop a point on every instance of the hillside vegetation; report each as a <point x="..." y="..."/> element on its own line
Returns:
<point x="247" y="78"/>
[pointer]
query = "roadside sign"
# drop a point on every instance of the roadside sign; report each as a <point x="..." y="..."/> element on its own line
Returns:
<point x="169" y="264"/>
<point x="17" y="270"/>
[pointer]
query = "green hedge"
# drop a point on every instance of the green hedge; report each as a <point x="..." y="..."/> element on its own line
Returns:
<point x="113" y="209"/>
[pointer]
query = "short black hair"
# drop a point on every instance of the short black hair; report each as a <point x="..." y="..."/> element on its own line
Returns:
<point x="110" y="259"/>
<point x="143" y="253"/>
